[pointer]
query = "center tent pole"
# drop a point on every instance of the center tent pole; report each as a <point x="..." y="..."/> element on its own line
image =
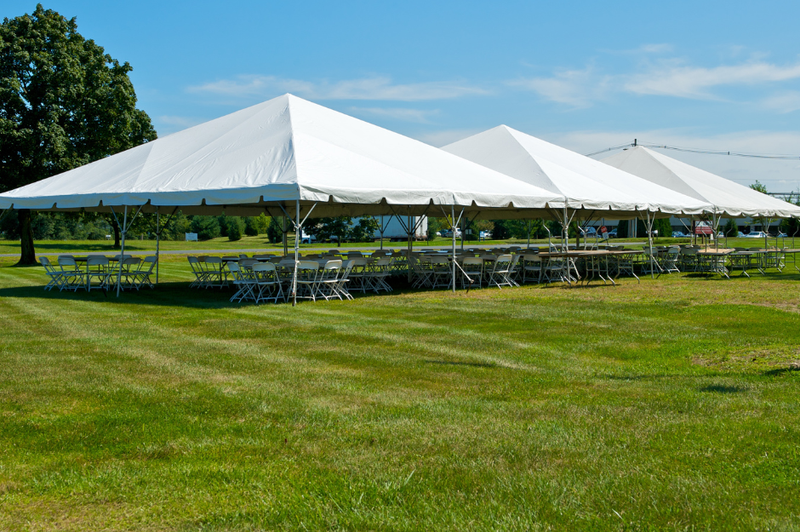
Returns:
<point x="382" y="229"/>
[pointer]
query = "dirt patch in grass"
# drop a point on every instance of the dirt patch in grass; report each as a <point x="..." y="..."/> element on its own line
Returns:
<point x="751" y="359"/>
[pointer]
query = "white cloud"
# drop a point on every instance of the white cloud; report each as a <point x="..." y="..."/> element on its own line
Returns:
<point x="783" y="102"/>
<point x="374" y="88"/>
<point x="577" y="88"/>
<point x="420" y="116"/>
<point x="695" y="82"/>
<point x="656" y="48"/>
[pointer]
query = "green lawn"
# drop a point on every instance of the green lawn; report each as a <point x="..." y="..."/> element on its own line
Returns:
<point x="671" y="404"/>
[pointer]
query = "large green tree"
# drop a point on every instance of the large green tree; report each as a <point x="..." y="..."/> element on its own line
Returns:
<point x="63" y="103"/>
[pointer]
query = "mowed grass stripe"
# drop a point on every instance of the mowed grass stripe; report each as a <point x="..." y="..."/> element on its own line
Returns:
<point x="664" y="404"/>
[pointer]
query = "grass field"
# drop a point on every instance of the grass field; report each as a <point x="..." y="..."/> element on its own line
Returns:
<point x="670" y="404"/>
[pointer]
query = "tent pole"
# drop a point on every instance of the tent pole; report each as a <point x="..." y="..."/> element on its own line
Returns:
<point x="408" y="257"/>
<point x="298" y="229"/>
<point x="453" y="225"/>
<point x="382" y="229"/>
<point x="650" y="242"/>
<point x="122" y="249"/>
<point x="714" y="223"/>
<point x="158" y="240"/>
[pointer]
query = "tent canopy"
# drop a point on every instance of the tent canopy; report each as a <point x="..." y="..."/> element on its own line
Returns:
<point x="726" y="197"/>
<point x="587" y="184"/>
<point x="280" y="152"/>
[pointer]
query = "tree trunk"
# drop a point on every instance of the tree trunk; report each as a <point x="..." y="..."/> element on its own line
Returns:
<point x="27" y="252"/>
<point x="116" y="234"/>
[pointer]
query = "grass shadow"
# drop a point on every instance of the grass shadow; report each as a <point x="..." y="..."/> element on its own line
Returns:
<point x="720" y="388"/>
<point x="454" y="363"/>
<point x="780" y="371"/>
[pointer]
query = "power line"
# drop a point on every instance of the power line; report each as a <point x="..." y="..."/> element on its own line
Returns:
<point x="696" y="150"/>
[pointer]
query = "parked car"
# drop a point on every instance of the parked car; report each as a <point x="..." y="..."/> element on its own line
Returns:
<point x="448" y="233"/>
<point x="782" y="234"/>
<point x="612" y="233"/>
<point x="589" y="232"/>
<point x="740" y="235"/>
<point x="678" y="234"/>
<point x="756" y="234"/>
<point x="485" y="235"/>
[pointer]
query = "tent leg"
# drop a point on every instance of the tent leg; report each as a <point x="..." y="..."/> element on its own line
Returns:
<point x="298" y="230"/>
<point x="408" y="257"/>
<point x="650" y="243"/>
<point x="122" y="249"/>
<point x="158" y="240"/>
<point x="382" y="232"/>
<point x="453" y="225"/>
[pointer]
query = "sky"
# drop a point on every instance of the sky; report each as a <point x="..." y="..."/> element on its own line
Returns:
<point x="585" y="75"/>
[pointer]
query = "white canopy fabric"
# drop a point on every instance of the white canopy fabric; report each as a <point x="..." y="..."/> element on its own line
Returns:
<point x="277" y="153"/>
<point x="726" y="197"/>
<point x="586" y="184"/>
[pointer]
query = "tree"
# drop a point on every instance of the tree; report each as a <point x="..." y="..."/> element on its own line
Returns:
<point x="364" y="230"/>
<point x="759" y="187"/>
<point x="234" y="227"/>
<point x="63" y="103"/>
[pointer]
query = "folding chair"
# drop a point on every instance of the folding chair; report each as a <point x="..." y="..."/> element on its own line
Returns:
<point x="97" y="267"/>
<point x="378" y="273"/>
<point x="328" y="279"/>
<point x="341" y="286"/>
<point x="531" y="267"/>
<point x="442" y="273"/>
<point x="499" y="275"/>
<point x="244" y="282"/>
<point x="268" y="282"/>
<point x="198" y="271"/>
<point x="73" y="277"/>
<point x="56" y="276"/>
<point x="472" y="274"/>
<point x="141" y="276"/>
<point x="307" y="279"/>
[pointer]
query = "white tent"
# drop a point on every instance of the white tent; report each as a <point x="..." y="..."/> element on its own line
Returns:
<point x="280" y="152"/>
<point x="726" y="197"/>
<point x="586" y="184"/>
<point x="289" y="156"/>
<point x="591" y="189"/>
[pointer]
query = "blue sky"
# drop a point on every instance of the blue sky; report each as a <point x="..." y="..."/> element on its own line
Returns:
<point x="585" y="75"/>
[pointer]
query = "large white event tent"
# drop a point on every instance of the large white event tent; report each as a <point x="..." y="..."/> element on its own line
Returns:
<point x="289" y="156"/>
<point x="591" y="188"/>
<point x="726" y="197"/>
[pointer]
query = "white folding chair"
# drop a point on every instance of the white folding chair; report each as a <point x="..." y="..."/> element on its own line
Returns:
<point x="329" y="279"/>
<point x="472" y="272"/>
<point x="244" y="282"/>
<point x="499" y="275"/>
<point x="97" y="267"/>
<point x="56" y="276"/>
<point x="267" y="281"/>
<point x="141" y="276"/>
<point x="344" y="278"/>
<point x="307" y="279"/>
<point x="73" y="277"/>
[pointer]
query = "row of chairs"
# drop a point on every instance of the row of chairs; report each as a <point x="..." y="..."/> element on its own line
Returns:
<point x="99" y="272"/>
